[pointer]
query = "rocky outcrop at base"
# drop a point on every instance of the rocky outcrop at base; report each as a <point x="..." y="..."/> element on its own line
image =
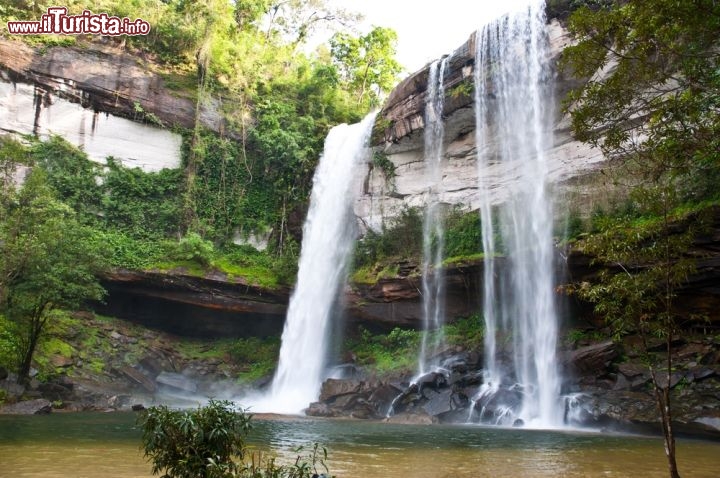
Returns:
<point x="39" y="406"/>
<point x="608" y="386"/>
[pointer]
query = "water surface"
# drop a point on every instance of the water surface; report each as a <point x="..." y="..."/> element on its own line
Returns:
<point x="95" y="445"/>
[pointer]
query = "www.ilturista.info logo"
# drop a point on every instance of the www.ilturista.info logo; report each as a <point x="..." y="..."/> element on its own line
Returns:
<point x="57" y="21"/>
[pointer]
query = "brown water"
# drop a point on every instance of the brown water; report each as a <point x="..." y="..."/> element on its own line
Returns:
<point x="107" y="446"/>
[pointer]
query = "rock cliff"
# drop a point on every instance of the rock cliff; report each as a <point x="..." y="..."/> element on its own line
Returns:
<point x="105" y="78"/>
<point x="398" y="134"/>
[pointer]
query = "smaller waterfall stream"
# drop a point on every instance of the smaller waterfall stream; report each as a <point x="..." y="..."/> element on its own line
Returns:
<point x="328" y="240"/>
<point x="433" y="280"/>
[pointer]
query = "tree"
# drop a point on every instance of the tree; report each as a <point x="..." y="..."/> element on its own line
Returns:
<point x="652" y="105"/>
<point x="48" y="261"/>
<point x="297" y="20"/>
<point x="367" y="63"/>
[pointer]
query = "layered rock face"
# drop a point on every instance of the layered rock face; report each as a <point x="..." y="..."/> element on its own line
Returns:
<point x="398" y="134"/>
<point x="107" y="79"/>
<point x="97" y="98"/>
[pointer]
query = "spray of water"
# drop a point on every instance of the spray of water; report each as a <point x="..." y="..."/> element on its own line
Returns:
<point x="328" y="240"/>
<point x="513" y="112"/>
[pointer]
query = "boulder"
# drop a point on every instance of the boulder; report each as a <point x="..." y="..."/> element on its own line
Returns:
<point x="413" y="418"/>
<point x="662" y="378"/>
<point x="632" y="370"/>
<point x="593" y="359"/>
<point x="702" y="373"/>
<point x="138" y="378"/>
<point x="319" y="409"/>
<point x="334" y="387"/>
<point x="383" y="396"/>
<point x="711" y="423"/>
<point x="364" y="410"/>
<point x="29" y="407"/>
<point x="432" y="381"/>
<point x="60" y="361"/>
<point x="439" y="403"/>
<point x="55" y="391"/>
<point x="151" y="366"/>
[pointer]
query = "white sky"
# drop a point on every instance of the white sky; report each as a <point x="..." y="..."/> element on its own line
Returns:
<point x="428" y="29"/>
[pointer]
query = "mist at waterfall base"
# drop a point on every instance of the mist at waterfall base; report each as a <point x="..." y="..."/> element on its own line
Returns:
<point x="328" y="242"/>
<point x="513" y="107"/>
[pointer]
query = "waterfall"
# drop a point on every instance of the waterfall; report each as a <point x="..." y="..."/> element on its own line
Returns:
<point x="433" y="280"/>
<point x="328" y="241"/>
<point x="513" y="107"/>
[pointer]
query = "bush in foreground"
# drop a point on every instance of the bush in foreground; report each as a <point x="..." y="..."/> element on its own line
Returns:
<point x="209" y="442"/>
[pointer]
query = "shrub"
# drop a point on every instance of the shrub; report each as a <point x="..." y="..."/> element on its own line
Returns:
<point x="195" y="443"/>
<point x="192" y="247"/>
<point x="209" y="442"/>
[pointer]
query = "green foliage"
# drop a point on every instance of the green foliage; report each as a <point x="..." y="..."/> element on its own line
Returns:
<point x="463" y="89"/>
<point x="260" y="356"/>
<point x="48" y="261"/>
<point x="140" y="204"/>
<point x="663" y="89"/>
<point x="396" y="351"/>
<point x="652" y="264"/>
<point x="204" y="442"/>
<point x="71" y="174"/>
<point x="126" y="251"/>
<point x="467" y="332"/>
<point x="401" y="240"/>
<point x="367" y="63"/>
<point x="376" y="254"/>
<point x="254" y="349"/>
<point x="12" y="155"/>
<point x="9" y="344"/>
<point x="574" y="336"/>
<point x="383" y="163"/>
<point x="654" y="109"/>
<point x="463" y="235"/>
<point x="193" y="248"/>
<point x="574" y="225"/>
<point x="278" y="104"/>
<point x="209" y="442"/>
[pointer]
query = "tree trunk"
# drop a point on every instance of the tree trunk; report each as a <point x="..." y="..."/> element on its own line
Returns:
<point x="25" y="365"/>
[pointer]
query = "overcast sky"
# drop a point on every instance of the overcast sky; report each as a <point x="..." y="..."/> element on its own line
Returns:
<point x="425" y="33"/>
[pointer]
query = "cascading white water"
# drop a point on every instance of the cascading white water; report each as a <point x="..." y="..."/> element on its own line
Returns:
<point x="513" y="102"/>
<point x="328" y="240"/>
<point x="433" y="281"/>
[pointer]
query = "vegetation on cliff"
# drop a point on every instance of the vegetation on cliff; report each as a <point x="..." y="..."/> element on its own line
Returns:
<point x="278" y="102"/>
<point x="246" y="184"/>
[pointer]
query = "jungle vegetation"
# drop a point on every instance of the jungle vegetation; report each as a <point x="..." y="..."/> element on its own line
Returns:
<point x="71" y="218"/>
